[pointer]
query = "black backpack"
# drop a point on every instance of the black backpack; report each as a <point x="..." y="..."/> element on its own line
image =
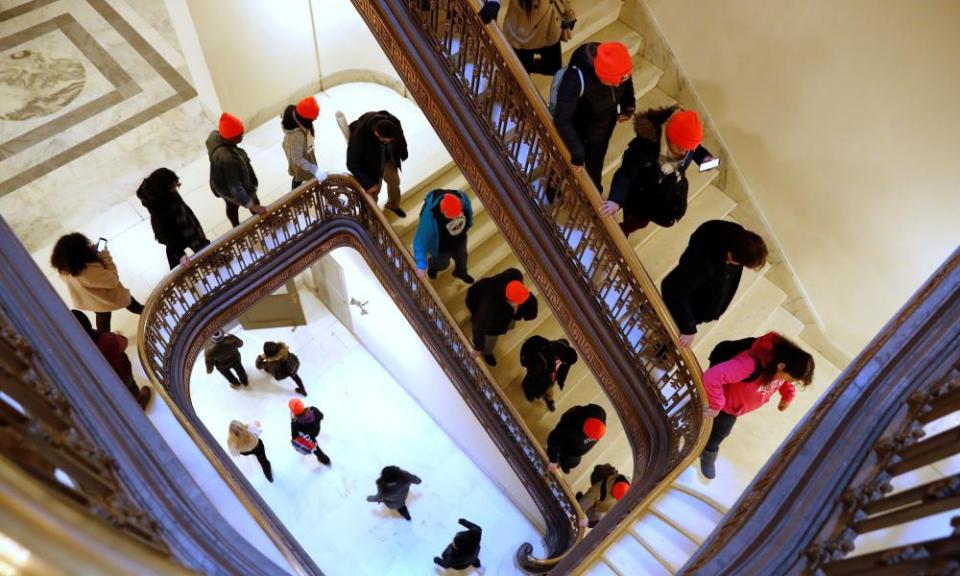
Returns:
<point x="668" y="200"/>
<point x="728" y="349"/>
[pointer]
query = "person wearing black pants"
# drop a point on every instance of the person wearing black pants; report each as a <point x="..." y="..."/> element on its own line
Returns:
<point x="244" y="439"/>
<point x="464" y="551"/>
<point x="103" y="318"/>
<point x="223" y="353"/>
<point x="534" y="29"/>
<point x="722" y="426"/>
<point x="305" y="421"/>
<point x="174" y="223"/>
<point x="393" y="486"/>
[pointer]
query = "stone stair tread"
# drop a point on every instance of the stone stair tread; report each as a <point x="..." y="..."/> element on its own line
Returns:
<point x="629" y="556"/>
<point x="672" y="545"/>
<point x="744" y="319"/>
<point x="601" y="568"/>
<point x="662" y="249"/>
<point x="694" y="515"/>
<point x="592" y="17"/>
<point x="784" y="323"/>
<point x="747" y="281"/>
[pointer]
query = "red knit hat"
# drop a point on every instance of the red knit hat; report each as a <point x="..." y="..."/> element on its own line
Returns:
<point x="594" y="428"/>
<point x="308" y="108"/>
<point x="684" y="130"/>
<point x="450" y="206"/>
<point x="619" y="489"/>
<point x="612" y="62"/>
<point x="296" y="406"/>
<point x="230" y="126"/>
<point x="516" y="292"/>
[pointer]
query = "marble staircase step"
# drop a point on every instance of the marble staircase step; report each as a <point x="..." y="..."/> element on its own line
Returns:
<point x="601" y="568"/>
<point x="671" y="544"/>
<point x="630" y="555"/>
<point x="694" y="515"/>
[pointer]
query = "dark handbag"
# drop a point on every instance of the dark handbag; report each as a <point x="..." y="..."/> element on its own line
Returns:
<point x="568" y="19"/>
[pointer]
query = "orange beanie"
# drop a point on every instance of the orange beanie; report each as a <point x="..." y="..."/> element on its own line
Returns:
<point x="308" y="108"/>
<point x="450" y="206"/>
<point x="619" y="489"/>
<point x="296" y="406"/>
<point x="230" y="126"/>
<point x="612" y="62"/>
<point x="684" y="130"/>
<point x="517" y="292"/>
<point x="594" y="428"/>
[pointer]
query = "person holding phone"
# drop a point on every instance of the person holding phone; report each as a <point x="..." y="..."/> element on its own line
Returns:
<point x="174" y="224"/>
<point x="91" y="278"/>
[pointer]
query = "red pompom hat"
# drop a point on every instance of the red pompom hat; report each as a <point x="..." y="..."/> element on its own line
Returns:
<point x="308" y="108"/>
<point x="230" y="126"/>
<point x="619" y="489"/>
<point x="450" y="206"/>
<point x="594" y="428"/>
<point x="684" y="130"/>
<point x="612" y="62"/>
<point x="296" y="406"/>
<point x="516" y="292"/>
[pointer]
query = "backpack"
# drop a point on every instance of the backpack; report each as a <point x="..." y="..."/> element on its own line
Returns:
<point x="668" y="201"/>
<point x="728" y="349"/>
<point x="555" y="86"/>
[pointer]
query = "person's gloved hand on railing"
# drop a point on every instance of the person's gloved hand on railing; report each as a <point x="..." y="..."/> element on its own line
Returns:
<point x="489" y="11"/>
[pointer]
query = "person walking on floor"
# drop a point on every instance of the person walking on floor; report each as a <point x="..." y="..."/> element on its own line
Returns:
<point x="278" y="361"/>
<point x="547" y="362"/>
<point x="304" y="429"/>
<point x="705" y="280"/>
<point x="375" y="151"/>
<point x="596" y="92"/>
<point x="298" y="141"/>
<point x="223" y="353"/>
<point x="607" y="487"/>
<point x="651" y="183"/>
<point x="113" y="347"/>
<point x="393" y="486"/>
<point x="495" y="304"/>
<point x="464" y="551"/>
<point x="534" y="29"/>
<point x="577" y="432"/>
<point x="743" y="376"/>
<point x="174" y="223"/>
<point x="231" y="174"/>
<point x="244" y="439"/>
<point x="91" y="278"/>
<point x="442" y="233"/>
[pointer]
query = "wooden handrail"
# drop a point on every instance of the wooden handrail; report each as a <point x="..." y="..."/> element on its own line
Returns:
<point x="484" y="107"/>
<point x="260" y="255"/>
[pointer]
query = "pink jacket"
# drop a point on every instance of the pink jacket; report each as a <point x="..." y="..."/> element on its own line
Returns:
<point x="727" y="391"/>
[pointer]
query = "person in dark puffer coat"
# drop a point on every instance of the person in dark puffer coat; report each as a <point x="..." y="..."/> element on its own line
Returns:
<point x="575" y="434"/>
<point x="393" y="486"/>
<point x="174" y="223"/>
<point x="547" y="362"/>
<point x="305" y="420"/>
<point x="231" y="174"/>
<point x="586" y="113"/>
<point x="705" y="280"/>
<point x="464" y="551"/>
<point x="375" y="151"/>
<point x="278" y="361"/>
<point x="495" y="304"/>
<point x="223" y="353"/>
<point x="651" y="183"/>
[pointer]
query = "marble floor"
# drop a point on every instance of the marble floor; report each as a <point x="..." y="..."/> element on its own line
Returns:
<point x="369" y="422"/>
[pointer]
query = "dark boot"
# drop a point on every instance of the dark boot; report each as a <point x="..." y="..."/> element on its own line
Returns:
<point x="490" y="359"/>
<point x="268" y="471"/>
<point x="404" y="512"/>
<point x="432" y="273"/>
<point x="551" y="406"/>
<point x="708" y="461"/>
<point x="301" y="390"/>
<point x="465" y="277"/>
<point x="143" y="397"/>
<point x="323" y="458"/>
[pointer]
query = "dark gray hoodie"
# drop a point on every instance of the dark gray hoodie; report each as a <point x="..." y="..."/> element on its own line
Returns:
<point x="231" y="174"/>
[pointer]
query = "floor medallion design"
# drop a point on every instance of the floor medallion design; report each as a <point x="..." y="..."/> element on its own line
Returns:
<point x="32" y="84"/>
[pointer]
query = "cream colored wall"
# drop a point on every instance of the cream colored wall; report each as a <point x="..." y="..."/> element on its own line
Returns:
<point x="348" y="51"/>
<point x="843" y="118"/>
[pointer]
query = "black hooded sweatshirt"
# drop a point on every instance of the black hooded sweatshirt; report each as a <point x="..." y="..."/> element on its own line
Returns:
<point x="567" y="438"/>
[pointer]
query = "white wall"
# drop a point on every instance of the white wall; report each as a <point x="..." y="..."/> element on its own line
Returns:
<point x="390" y="338"/>
<point x="843" y="118"/>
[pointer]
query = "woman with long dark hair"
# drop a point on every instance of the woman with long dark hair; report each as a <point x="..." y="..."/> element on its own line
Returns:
<point x="91" y="278"/>
<point x="298" y="141"/>
<point x="740" y="381"/>
<point x="174" y="223"/>
<point x="534" y="29"/>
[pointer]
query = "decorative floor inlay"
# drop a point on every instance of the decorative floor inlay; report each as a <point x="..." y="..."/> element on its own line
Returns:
<point x="74" y="75"/>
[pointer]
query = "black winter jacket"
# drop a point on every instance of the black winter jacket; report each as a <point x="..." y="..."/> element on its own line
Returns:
<point x="702" y="285"/>
<point x="639" y="186"/>
<point x="365" y="153"/>
<point x="393" y="493"/>
<point x="491" y="313"/>
<point x="464" y="552"/>
<point x="231" y="174"/>
<point x="567" y="438"/>
<point x="222" y="354"/>
<point x="592" y="116"/>
<point x="308" y="423"/>
<point x="173" y="222"/>
<point x="279" y="368"/>
<point x="539" y="356"/>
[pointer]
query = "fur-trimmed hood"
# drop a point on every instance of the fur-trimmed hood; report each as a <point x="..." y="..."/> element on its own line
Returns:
<point x="649" y="124"/>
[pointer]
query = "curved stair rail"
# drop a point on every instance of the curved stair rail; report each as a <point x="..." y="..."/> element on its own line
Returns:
<point x="263" y="253"/>
<point x="831" y="480"/>
<point x="495" y="125"/>
<point x="87" y="485"/>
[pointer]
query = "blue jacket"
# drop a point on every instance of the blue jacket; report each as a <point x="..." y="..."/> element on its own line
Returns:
<point x="426" y="243"/>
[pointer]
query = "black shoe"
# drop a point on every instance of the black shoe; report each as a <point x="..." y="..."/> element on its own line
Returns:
<point x="465" y="277"/>
<point x="323" y="458"/>
<point x="490" y="359"/>
<point x="143" y="398"/>
<point x="432" y="273"/>
<point x="551" y="406"/>
<point x="438" y="561"/>
<point x="302" y="391"/>
<point x="404" y="512"/>
<point x="398" y="211"/>
<point x="268" y="472"/>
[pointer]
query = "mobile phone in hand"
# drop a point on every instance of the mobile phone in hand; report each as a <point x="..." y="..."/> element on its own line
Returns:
<point x="709" y="163"/>
<point x="101" y="244"/>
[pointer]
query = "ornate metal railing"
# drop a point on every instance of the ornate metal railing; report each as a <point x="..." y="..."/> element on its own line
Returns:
<point x="263" y="253"/>
<point x="87" y="485"/>
<point x="472" y="88"/>
<point x="831" y="480"/>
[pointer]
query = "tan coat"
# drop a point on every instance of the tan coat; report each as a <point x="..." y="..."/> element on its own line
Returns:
<point x="592" y="505"/>
<point x="242" y="438"/>
<point x="538" y="29"/>
<point x="97" y="288"/>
